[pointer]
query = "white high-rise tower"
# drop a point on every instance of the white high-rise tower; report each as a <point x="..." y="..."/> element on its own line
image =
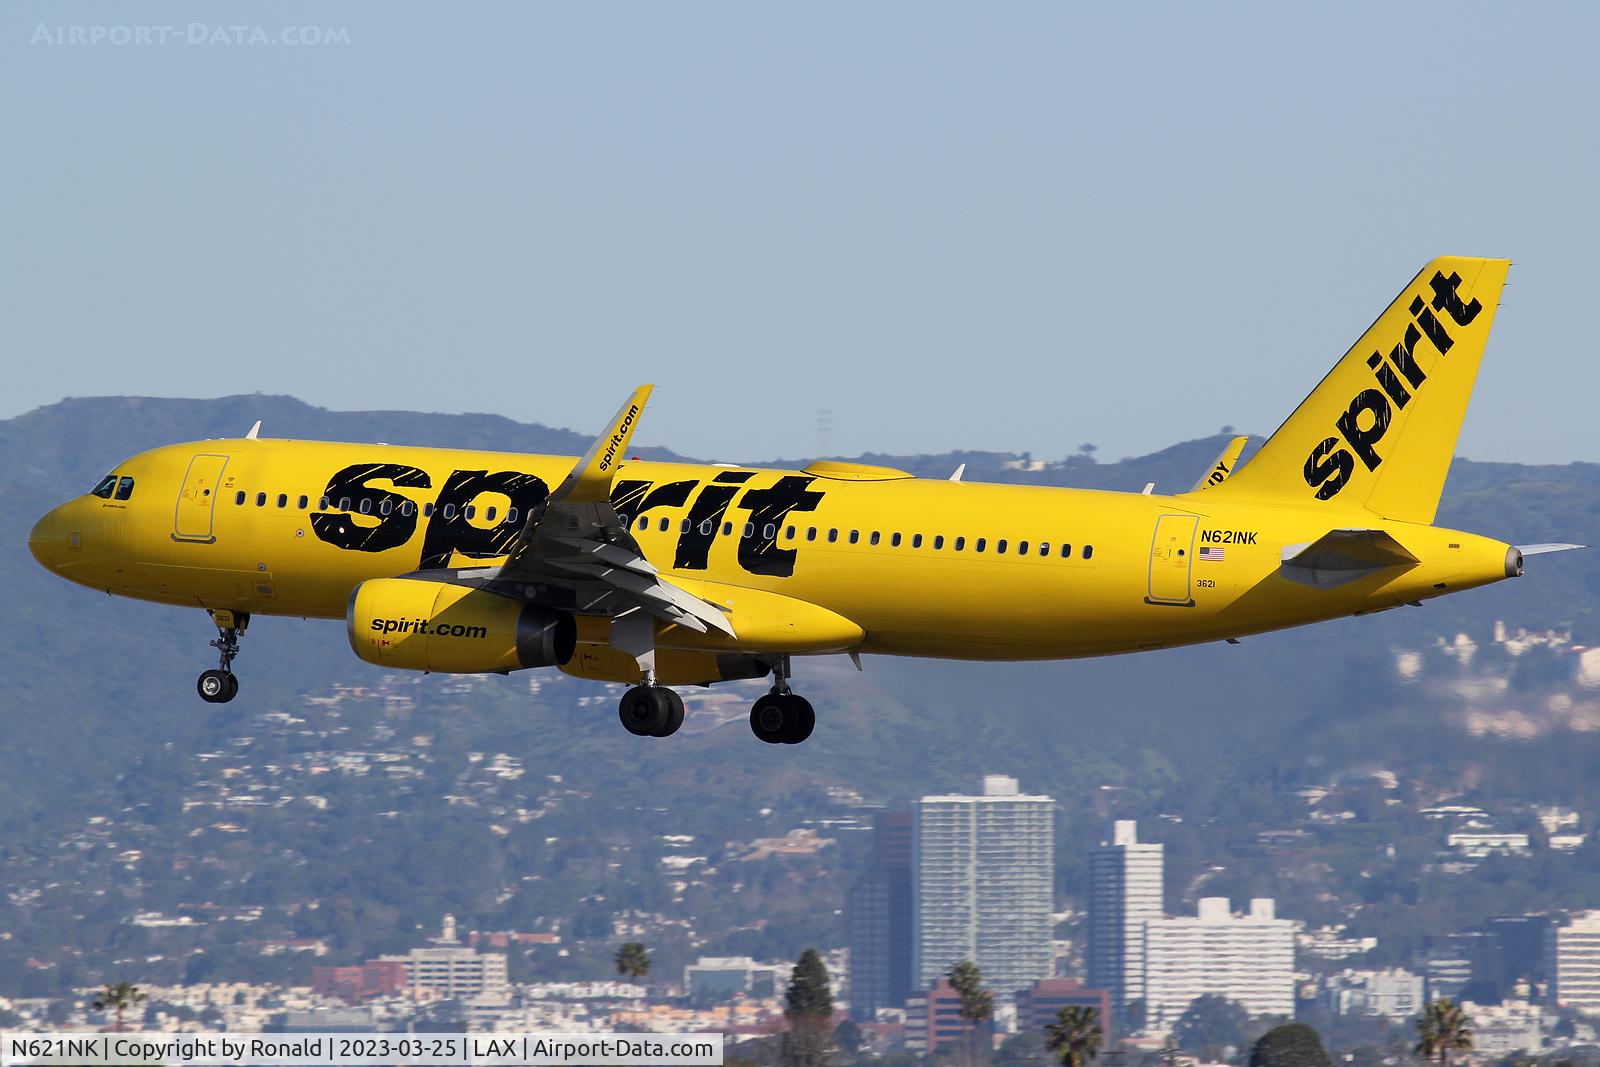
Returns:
<point x="985" y="885"/>
<point x="1124" y="893"/>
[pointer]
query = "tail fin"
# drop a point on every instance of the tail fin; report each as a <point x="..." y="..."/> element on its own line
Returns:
<point x="1379" y="431"/>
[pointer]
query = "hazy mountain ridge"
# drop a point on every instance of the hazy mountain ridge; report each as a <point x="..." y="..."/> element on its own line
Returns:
<point x="101" y="719"/>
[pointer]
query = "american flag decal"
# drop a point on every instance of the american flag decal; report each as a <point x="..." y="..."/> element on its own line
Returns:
<point x="1211" y="552"/>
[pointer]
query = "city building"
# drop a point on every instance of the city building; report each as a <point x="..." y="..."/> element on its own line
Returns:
<point x="1479" y="845"/>
<point x="1465" y="966"/>
<point x="985" y="884"/>
<point x="450" y="970"/>
<point x="933" y="1021"/>
<point x="878" y="920"/>
<point x="1522" y="940"/>
<point x="1039" y="1003"/>
<point x="1573" y="963"/>
<point x="375" y="979"/>
<point x="1247" y="958"/>
<point x="718" y="978"/>
<point x="1125" y="891"/>
<point x="1392" y="994"/>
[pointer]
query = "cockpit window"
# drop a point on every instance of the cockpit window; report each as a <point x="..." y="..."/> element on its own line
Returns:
<point x="108" y="483"/>
<point x="124" y="487"/>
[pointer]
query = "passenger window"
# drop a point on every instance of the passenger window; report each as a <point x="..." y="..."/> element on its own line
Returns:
<point x="1044" y="548"/>
<point x="1088" y="552"/>
<point x="261" y="500"/>
<point x="449" y="511"/>
<point x="833" y="535"/>
<point x="304" y="500"/>
<point x="727" y="528"/>
<point x="874" y="538"/>
<point x="239" y="497"/>
<point x="324" y="504"/>
<point x="124" y="487"/>
<point x="104" y="487"/>
<point x="961" y="542"/>
<point x="511" y="516"/>
<point x="664" y="523"/>
<point x="427" y="509"/>
<point x="407" y="508"/>
<point x="283" y="500"/>
<point x="1066" y="551"/>
<point x="979" y="545"/>
<point x="789" y="533"/>
<point x="706" y="527"/>
<point x="855" y="535"/>
<point x="811" y="533"/>
<point x="386" y="507"/>
<point x="683" y="527"/>
<point x="644" y="524"/>
<point x="894" y="541"/>
<point x="938" y="540"/>
<point x="490" y="514"/>
<point x="470" y="511"/>
<point x="1022" y="548"/>
<point x="366" y="505"/>
<point x="769" y="532"/>
<point x="916" y="540"/>
<point x="1000" y="546"/>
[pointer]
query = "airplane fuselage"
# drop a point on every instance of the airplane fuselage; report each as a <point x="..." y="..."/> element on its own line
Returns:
<point x="922" y="568"/>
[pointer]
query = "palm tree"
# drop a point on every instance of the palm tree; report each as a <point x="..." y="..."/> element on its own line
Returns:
<point x="1075" y="1036"/>
<point x="633" y="961"/>
<point x="977" y="1003"/>
<point x="119" y="998"/>
<point x="1442" y="1029"/>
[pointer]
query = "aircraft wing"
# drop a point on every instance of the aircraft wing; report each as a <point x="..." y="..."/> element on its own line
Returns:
<point x="574" y="552"/>
<point x="1341" y="556"/>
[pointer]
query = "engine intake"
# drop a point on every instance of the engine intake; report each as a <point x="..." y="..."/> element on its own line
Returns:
<point x="423" y="625"/>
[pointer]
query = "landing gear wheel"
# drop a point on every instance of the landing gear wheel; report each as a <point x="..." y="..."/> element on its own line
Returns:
<point x="646" y="710"/>
<point x="800" y="720"/>
<point x="674" y="713"/>
<point x="217" y="687"/>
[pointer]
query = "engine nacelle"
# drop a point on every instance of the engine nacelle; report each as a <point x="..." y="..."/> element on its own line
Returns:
<point x="423" y="625"/>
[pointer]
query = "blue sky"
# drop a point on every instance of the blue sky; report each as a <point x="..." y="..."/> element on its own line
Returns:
<point x="1015" y="227"/>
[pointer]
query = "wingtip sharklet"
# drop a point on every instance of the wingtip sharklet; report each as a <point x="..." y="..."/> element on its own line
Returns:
<point x="590" y="479"/>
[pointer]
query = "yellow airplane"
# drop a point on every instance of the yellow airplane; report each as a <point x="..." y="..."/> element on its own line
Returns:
<point x="659" y="574"/>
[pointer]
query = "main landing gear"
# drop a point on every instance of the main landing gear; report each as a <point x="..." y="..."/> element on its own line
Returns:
<point x="782" y="717"/>
<point x="651" y="710"/>
<point x="220" y="686"/>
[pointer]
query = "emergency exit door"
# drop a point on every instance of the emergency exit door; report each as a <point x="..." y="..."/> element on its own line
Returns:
<point x="1171" y="555"/>
<point x="197" y="498"/>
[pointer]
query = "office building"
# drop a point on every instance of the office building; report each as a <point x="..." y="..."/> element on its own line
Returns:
<point x="1247" y="958"/>
<point x="1392" y="994"/>
<point x="1465" y="966"/>
<point x="878" y="920"/>
<point x="985" y="885"/>
<point x="1039" y="1004"/>
<point x="718" y="978"/>
<point x="450" y="970"/>
<point x="1125" y="892"/>
<point x="1573" y="963"/>
<point x="933" y="1021"/>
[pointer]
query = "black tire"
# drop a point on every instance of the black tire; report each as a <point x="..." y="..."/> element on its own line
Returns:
<point x="644" y="711"/>
<point x="800" y="720"/>
<point x="674" y="713"/>
<point x="769" y="717"/>
<point x="216" y="687"/>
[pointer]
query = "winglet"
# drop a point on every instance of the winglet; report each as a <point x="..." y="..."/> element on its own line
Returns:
<point x="255" y="431"/>
<point x="1223" y="466"/>
<point x="590" y="480"/>
<point x="956" y="477"/>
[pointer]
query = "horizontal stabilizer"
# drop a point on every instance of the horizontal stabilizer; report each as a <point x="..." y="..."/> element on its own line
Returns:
<point x="1539" y="550"/>
<point x="1341" y="556"/>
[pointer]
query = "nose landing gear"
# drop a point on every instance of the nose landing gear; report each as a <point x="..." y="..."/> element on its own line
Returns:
<point x="221" y="685"/>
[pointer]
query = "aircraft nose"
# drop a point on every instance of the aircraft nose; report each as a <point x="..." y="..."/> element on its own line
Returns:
<point x="48" y="540"/>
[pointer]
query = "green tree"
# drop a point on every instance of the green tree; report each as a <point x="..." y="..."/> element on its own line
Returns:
<point x="1290" y="1045"/>
<point x="808" y="1008"/>
<point x="977" y="1003"/>
<point x="633" y="960"/>
<point x="1075" y="1036"/>
<point x="117" y="999"/>
<point x="1443" y="1028"/>
<point x="1211" y="1022"/>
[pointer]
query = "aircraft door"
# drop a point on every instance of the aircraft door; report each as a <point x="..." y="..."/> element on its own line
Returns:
<point x="1171" y="556"/>
<point x="192" y="521"/>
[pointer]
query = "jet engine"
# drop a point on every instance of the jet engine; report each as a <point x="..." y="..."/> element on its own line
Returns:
<point x="423" y="625"/>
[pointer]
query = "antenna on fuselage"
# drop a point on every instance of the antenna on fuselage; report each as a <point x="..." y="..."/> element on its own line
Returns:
<point x="254" y="431"/>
